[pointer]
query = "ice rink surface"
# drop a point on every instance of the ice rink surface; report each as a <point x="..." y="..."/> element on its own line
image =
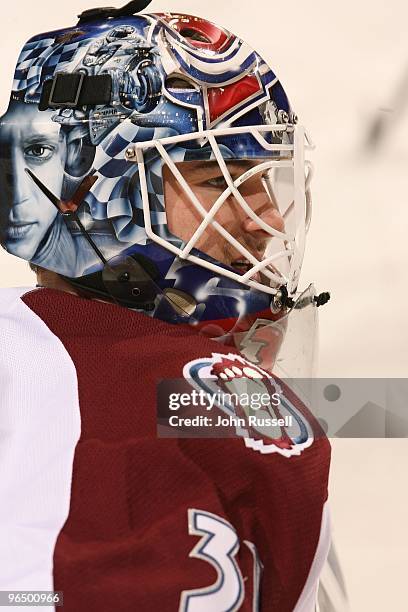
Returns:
<point x="342" y="65"/>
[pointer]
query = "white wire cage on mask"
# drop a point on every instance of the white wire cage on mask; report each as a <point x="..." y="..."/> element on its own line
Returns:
<point x="285" y="176"/>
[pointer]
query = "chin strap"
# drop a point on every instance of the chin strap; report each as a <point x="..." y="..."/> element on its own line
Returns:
<point x="110" y="12"/>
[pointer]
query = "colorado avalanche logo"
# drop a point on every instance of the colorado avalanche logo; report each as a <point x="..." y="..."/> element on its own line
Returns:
<point x="224" y="375"/>
<point x="221" y="83"/>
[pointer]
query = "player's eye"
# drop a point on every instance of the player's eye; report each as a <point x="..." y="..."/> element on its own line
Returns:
<point x="39" y="152"/>
<point x="218" y="182"/>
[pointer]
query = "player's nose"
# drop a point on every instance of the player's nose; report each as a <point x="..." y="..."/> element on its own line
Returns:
<point x="14" y="181"/>
<point x="19" y="180"/>
<point x="271" y="216"/>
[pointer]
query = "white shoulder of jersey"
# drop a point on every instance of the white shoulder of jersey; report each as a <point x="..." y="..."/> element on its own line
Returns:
<point x="9" y="295"/>
<point x="39" y="429"/>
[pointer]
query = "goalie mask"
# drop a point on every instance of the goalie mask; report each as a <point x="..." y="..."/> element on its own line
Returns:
<point x="154" y="160"/>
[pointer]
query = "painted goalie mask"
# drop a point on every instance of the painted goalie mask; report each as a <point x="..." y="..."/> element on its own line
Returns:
<point x="154" y="160"/>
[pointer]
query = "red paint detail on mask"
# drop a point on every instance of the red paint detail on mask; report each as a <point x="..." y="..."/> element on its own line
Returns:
<point x="187" y="25"/>
<point x="222" y="99"/>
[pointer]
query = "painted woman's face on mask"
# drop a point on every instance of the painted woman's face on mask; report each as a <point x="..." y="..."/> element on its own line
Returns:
<point x="28" y="139"/>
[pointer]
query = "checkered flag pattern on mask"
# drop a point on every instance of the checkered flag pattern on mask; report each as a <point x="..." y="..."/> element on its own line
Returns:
<point x="116" y="195"/>
<point x="39" y="60"/>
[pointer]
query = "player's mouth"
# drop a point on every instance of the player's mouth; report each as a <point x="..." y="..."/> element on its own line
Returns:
<point x="242" y="266"/>
<point x="18" y="231"/>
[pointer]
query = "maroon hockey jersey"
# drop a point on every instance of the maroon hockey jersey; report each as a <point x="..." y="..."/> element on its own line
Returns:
<point x="95" y="505"/>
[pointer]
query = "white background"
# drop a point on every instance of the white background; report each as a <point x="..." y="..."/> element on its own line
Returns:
<point x="339" y="63"/>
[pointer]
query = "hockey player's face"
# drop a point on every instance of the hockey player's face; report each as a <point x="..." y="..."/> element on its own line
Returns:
<point x="28" y="139"/>
<point x="208" y="183"/>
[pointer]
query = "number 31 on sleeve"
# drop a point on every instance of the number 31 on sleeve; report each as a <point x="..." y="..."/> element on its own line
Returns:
<point x="219" y="545"/>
